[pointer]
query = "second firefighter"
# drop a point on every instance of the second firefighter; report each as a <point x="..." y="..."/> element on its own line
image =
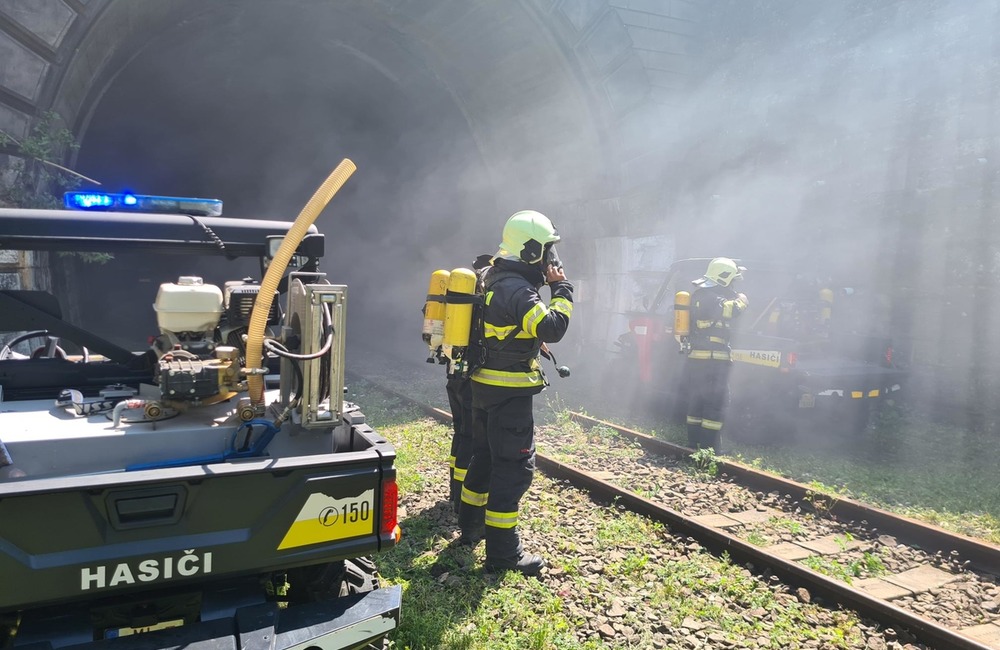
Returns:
<point x="715" y="306"/>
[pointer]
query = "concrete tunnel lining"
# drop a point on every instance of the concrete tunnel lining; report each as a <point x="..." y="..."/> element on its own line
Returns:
<point x="792" y="121"/>
<point x="536" y="136"/>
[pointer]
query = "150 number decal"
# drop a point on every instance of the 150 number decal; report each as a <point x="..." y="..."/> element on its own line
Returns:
<point x="325" y="519"/>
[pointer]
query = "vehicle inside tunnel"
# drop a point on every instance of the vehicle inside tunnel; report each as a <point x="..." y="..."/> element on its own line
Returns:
<point x="254" y="104"/>
<point x="853" y="142"/>
<point x="769" y="233"/>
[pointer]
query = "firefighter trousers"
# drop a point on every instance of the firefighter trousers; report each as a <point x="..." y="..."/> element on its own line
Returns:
<point x="708" y="383"/>
<point x="503" y="464"/>
<point x="459" y="391"/>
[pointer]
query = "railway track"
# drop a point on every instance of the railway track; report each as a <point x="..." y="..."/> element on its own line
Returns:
<point x="940" y="560"/>
<point x="928" y="583"/>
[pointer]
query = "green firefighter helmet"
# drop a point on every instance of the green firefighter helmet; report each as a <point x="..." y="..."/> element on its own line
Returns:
<point x="525" y="236"/>
<point x="721" y="271"/>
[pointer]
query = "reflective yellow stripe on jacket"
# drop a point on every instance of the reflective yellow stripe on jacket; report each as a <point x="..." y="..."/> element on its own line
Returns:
<point x="537" y="314"/>
<point x="502" y="332"/>
<point x="507" y="379"/>
<point x="719" y="355"/>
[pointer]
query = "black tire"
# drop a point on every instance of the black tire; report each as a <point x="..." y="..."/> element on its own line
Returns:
<point x="843" y="417"/>
<point x="8" y="626"/>
<point x="759" y="422"/>
<point x="325" y="581"/>
<point x="360" y="576"/>
<point x="334" y="580"/>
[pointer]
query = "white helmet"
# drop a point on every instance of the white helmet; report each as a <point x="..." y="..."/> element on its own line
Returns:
<point x="525" y="236"/>
<point x="721" y="271"/>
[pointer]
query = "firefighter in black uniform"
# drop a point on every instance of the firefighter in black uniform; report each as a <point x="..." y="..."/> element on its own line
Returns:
<point x="459" y="390"/>
<point x="515" y="324"/>
<point x="715" y="305"/>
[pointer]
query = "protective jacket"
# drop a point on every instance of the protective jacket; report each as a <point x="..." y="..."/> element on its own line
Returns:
<point x="713" y="310"/>
<point x="516" y="322"/>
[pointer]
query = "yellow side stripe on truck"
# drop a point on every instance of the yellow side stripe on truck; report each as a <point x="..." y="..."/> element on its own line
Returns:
<point x="767" y="358"/>
<point x="838" y="392"/>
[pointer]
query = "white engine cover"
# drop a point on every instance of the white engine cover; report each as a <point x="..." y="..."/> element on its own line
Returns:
<point x="188" y="305"/>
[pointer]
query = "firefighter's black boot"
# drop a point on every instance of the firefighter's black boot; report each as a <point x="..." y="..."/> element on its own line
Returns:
<point x="456" y="494"/>
<point x="471" y="521"/>
<point x="694" y="435"/>
<point x="505" y="553"/>
<point x="713" y="440"/>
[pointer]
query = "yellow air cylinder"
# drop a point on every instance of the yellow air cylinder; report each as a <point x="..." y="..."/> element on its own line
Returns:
<point x="682" y="314"/>
<point x="826" y="306"/>
<point x="433" y="332"/>
<point x="458" y="316"/>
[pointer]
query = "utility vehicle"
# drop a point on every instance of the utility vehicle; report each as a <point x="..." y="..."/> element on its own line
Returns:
<point x="212" y="491"/>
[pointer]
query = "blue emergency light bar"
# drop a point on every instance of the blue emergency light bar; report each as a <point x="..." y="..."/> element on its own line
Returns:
<point x="128" y="202"/>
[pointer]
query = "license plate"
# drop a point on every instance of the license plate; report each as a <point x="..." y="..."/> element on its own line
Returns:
<point x="807" y="401"/>
<point x="129" y="631"/>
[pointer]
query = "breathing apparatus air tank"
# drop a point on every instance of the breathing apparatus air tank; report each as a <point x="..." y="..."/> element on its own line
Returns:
<point x="458" y="314"/>
<point x="682" y="318"/>
<point x="434" y="310"/>
<point x="826" y="305"/>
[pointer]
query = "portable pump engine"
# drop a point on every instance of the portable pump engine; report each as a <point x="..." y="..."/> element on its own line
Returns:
<point x="214" y="344"/>
<point x="202" y="348"/>
<point x="201" y="345"/>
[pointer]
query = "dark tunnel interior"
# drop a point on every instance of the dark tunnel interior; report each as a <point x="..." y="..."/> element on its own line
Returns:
<point x="253" y="104"/>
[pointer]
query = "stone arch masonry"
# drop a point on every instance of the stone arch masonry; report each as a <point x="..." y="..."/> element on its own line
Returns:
<point x="626" y="63"/>
<point x="626" y="59"/>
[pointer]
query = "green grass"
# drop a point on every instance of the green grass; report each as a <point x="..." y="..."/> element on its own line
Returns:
<point x="450" y="603"/>
<point x="943" y="475"/>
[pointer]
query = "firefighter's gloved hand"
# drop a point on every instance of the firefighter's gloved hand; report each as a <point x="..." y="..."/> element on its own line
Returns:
<point x="554" y="274"/>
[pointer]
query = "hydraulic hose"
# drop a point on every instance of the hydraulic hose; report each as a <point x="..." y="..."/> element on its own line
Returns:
<point x="262" y="305"/>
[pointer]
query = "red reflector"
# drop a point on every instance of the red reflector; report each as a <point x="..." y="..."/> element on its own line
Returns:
<point x="390" y="499"/>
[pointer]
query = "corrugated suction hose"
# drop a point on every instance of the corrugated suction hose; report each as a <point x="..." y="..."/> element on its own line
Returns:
<point x="262" y="305"/>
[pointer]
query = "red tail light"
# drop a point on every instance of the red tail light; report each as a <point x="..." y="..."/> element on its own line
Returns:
<point x="792" y="358"/>
<point x="390" y="503"/>
<point x="888" y="355"/>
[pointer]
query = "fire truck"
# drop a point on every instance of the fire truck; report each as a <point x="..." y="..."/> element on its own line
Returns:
<point x="808" y="355"/>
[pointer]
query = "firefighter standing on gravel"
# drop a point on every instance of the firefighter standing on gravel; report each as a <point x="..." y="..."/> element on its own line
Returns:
<point x="715" y="305"/>
<point x="515" y="324"/>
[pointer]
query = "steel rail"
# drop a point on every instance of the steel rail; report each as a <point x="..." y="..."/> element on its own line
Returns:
<point x="981" y="555"/>
<point x="719" y="542"/>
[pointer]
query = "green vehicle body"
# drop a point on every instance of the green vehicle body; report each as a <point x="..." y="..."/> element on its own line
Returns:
<point x="191" y="531"/>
